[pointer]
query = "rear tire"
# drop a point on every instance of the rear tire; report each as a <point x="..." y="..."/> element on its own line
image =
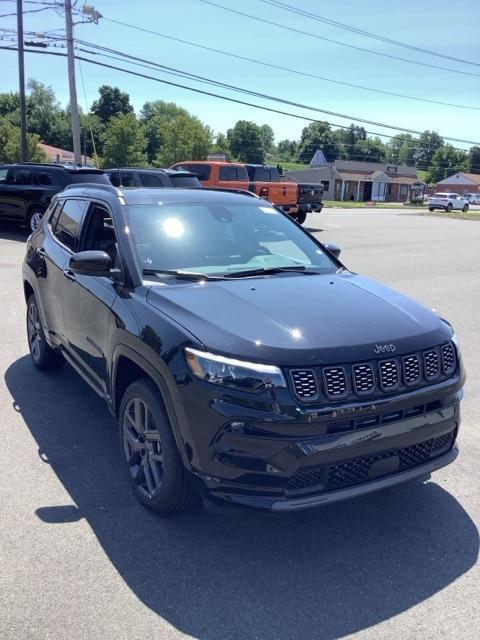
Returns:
<point x="465" y="208"/>
<point x="155" y="469"/>
<point x="448" y="208"/>
<point x="301" y="217"/>
<point x="42" y="354"/>
<point x="430" y="208"/>
<point x="34" y="219"/>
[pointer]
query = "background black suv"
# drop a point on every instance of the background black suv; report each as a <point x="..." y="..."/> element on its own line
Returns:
<point x="153" y="178"/>
<point x="26" y="189"/>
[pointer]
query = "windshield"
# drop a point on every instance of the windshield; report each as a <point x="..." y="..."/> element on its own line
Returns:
<point x="219" y="239"/>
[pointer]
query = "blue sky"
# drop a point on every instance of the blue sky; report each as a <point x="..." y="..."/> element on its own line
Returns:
<point x="450" y="28"/>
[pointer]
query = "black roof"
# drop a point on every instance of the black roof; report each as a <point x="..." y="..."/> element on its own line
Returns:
<point x="152" y="170"/>
<point x="55" y="165"/>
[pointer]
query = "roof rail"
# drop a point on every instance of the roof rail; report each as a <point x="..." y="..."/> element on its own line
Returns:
<point x="94" y="185"/>
<point x="243" y="192"/>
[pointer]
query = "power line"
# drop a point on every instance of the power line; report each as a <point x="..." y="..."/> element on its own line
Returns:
<point x="289" y="69"/>
<point x="343" y="44"/>
<point x="376" y="36"/>
<point x="188" y="88"/>
<point x="203" y="79"/>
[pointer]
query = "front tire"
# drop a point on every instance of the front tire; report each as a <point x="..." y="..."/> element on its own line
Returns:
<point x="42" y="354"/>
<point x="34" y="219"/>
<point x="155" y="468"/>
<point x="430" y="208"/>
<point x="465" y="208"/>
<point x="448" y="208"/>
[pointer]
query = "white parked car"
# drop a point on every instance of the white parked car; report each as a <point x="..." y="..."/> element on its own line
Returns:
<point x="447" y="202"/>
<point x="473" y="198"/>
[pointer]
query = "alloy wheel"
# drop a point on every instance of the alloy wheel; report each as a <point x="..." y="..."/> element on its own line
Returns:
<point x="35" y="220"/>
<point x="142" y="448"/>
<point x="34" y="331"/>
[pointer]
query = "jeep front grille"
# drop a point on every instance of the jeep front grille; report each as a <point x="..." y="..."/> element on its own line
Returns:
<point x="374" y="378"/>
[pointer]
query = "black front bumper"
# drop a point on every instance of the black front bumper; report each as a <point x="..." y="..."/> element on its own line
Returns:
<point x="290" y="458"/>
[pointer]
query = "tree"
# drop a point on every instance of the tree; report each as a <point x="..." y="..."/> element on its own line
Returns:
<point x="10" y="144"/>
<point x="287" y="149"/>
<point x="428" y="144"/>
<point x="445" y="161"/>
<point x="112" y="102"/>
<point x="370" y="150"/>
<point x="163" y="122"/>
<point x="267" y="137"/>
<point x="246" y="142"/>
<point x="221" y="145"/>
<point x="125" y="142"/>
<point x="182" y="138"/>
<point x="474" y="160"/>
<point x="318" y="135"/>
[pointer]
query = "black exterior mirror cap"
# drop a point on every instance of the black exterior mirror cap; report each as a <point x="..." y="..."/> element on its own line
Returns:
<point x="91" y="263"/>
<point x="334" y="249"/>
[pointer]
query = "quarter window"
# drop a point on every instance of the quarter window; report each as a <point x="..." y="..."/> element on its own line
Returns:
<point x="69" y="221"/>
<point x="47" y="178"/>
<point x="151" y="180"/>
<point x="3" y="175"/>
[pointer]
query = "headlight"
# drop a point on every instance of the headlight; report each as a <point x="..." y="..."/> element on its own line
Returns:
<point x="233" y="373"/>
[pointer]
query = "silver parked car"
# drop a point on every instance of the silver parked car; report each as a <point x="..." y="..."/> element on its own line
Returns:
<point x="447" y="202"/>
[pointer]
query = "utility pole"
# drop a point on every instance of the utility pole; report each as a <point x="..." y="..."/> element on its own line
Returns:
<point x="77" y="151"/>
<point x="21" y="84"/>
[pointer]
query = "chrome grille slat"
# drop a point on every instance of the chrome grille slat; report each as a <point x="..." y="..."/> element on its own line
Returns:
<point x="363" y="379"/>
<point x="411" y="370"/>
<point x="389" y="375"/>
<point x="449" y="359"/>
<point x="335" y="379"/>
<point x="431" y="363"/>
<point x="305" y="384"/>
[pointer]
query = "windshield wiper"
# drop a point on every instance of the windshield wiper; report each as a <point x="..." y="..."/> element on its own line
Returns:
<point x="181" y="275"/>
<point x="271" y="270"/>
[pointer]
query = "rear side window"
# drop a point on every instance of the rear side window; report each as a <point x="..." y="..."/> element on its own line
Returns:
<point x="202" y="171"/>
<point x="151" y="180"/>
<point x="98" y="177"/>
<point x="242" y="173"/>
<point x="185" y="181"/>
<point x="20" y="176"/>
<point x="228" y="173"/>
<point x="69" y="221"/>
<point x="48" y="178"/>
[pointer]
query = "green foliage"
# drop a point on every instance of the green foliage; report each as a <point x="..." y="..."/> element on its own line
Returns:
<point x="428" y="143"/>
<point x="246" y="142"/>
<point x="125" y="142"/>
<point x="445" y="161"/>
<point x="267" y="137"/>
<point x="474" y="160"/>
<point x="318" y="135"/>
<point x="10" y="144"/>
<point x="112" y="102"/>
<point x="287" y="149"/>
<point x="221" y="145"/>
<point x="401" y="149"/>
<point x="173" y="134"/>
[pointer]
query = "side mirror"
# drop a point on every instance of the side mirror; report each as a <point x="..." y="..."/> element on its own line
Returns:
<point x="91" y="263"/>
<point x="334" y="249"/>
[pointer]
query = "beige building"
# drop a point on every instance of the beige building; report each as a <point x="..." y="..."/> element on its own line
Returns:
<point x="363" y="181"/>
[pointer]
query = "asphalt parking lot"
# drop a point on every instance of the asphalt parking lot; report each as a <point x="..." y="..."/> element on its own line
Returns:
<point x="80" y="559"/>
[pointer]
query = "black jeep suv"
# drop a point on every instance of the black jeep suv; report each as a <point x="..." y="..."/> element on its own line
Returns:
<point x="242" y="359"/>
<point x="26" y="189"/>
<point x="153" y="178"/>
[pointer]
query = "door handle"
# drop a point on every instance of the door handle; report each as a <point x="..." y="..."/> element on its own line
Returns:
<point x="69" y="274"/>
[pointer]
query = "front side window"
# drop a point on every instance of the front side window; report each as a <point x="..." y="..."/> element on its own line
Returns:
<point x="228" y="173"/>
<point x="67" y="226"/>
<point x="219" y="239"/>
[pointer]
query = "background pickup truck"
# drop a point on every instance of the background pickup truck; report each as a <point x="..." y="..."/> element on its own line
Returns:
<point x="295" y="199"/>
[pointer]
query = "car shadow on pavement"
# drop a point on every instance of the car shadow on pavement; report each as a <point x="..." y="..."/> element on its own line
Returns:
<point x="324" y="573"/>
<point x="12" y="232"/>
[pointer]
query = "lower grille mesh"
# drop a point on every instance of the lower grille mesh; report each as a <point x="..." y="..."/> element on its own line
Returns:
<point x="350" y="472"/>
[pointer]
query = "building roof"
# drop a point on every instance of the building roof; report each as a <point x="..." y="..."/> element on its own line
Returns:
<point x="60" y="155"/>
<point x="318" y="159"/>
<point x="472" y="177"/>
<point x="369" y="167"/>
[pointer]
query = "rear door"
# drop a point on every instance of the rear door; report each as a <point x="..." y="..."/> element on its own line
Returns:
<point x="17" y="193"/>
<point x="87" y="300"/>
<point x="233" y="177"/>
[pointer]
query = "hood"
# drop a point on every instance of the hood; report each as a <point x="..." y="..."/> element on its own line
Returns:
<point x="299" y="319"/>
